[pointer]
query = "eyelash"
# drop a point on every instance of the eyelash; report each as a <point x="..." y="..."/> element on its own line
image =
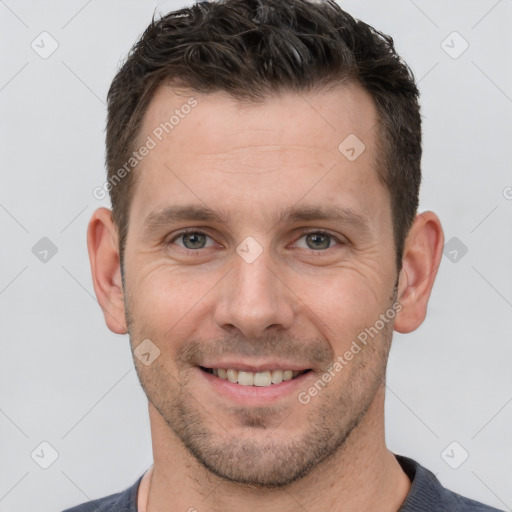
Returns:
<point x="198" y="251"/>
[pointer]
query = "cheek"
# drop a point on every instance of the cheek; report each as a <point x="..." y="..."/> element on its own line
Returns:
<point x="347" y="319"/>
<point x="345" y="301"/>
<point x="164" y="301"/>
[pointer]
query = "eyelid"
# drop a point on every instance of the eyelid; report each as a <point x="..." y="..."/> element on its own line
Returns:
<point x="341" y="240"/>
<point x="176" y="236"/>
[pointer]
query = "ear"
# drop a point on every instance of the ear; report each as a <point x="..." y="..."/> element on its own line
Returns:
<point x="103" y="247"/>
<point x="423" y="251"/>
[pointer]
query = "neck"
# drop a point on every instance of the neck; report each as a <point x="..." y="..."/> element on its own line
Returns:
<point x="362" y="475"/>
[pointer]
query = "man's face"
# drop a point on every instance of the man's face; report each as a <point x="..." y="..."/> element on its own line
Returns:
<point x="259" y="289"/>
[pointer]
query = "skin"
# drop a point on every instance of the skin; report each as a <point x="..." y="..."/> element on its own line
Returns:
<point x="295" y="301"/>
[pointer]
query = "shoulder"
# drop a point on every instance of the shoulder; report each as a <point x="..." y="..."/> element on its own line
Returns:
<point x="125" y="501"/>
<point x="466" y="504"/>
<point x="428" y="495"/>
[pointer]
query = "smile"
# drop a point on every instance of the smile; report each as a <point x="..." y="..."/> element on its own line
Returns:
<point x="260" y="379"/>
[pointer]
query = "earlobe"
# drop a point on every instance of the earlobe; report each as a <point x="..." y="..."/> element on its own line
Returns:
<point x="421" y="259"/>
<point x="102" y="244"/>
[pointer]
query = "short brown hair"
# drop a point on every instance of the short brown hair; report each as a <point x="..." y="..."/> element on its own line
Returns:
<point x="251" y="48"/>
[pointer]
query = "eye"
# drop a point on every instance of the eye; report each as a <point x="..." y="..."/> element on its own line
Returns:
<point x="317" y="240"/>
<point x="191" y="240"/>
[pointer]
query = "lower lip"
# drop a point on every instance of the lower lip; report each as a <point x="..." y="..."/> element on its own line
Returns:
<point x="256" y="395"/>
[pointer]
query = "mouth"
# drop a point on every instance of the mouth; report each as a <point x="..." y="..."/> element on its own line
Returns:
<point x="265" y="378"/>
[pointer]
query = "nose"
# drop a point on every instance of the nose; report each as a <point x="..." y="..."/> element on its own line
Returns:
<point x="252" y="298"/>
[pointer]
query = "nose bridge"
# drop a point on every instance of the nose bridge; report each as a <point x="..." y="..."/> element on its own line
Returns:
<point x="253" y="298"/>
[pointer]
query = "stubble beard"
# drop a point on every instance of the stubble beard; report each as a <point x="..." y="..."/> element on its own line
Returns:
<point x="261" y="460"/>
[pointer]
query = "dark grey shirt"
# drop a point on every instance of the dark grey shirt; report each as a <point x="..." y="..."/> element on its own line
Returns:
<point x="426" y="495"/>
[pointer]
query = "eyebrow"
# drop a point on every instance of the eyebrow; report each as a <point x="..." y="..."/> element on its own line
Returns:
<point x="202" y="213"/>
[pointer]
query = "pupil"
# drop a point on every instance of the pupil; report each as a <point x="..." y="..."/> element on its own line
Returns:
<point x="318" y="238"/>
<point x="196" y="240"/>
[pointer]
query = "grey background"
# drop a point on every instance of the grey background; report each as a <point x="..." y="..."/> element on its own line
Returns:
<point x="67" y="380"/>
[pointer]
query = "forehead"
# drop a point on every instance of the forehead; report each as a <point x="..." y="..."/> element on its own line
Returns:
<point x="250" y="156"/>
<point x="222" y="122"/>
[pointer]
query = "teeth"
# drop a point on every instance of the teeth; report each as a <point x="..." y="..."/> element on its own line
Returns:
<point x="277" y="376"/>
<point x="261" y="379"/>
<point x="246" y="378"/>
<point x="232" y="376"/>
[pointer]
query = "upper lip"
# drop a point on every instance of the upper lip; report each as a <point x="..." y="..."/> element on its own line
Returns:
<point x="256" y="367"/>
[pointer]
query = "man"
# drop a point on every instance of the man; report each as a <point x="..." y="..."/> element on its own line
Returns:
<point x="264" y="169"/>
